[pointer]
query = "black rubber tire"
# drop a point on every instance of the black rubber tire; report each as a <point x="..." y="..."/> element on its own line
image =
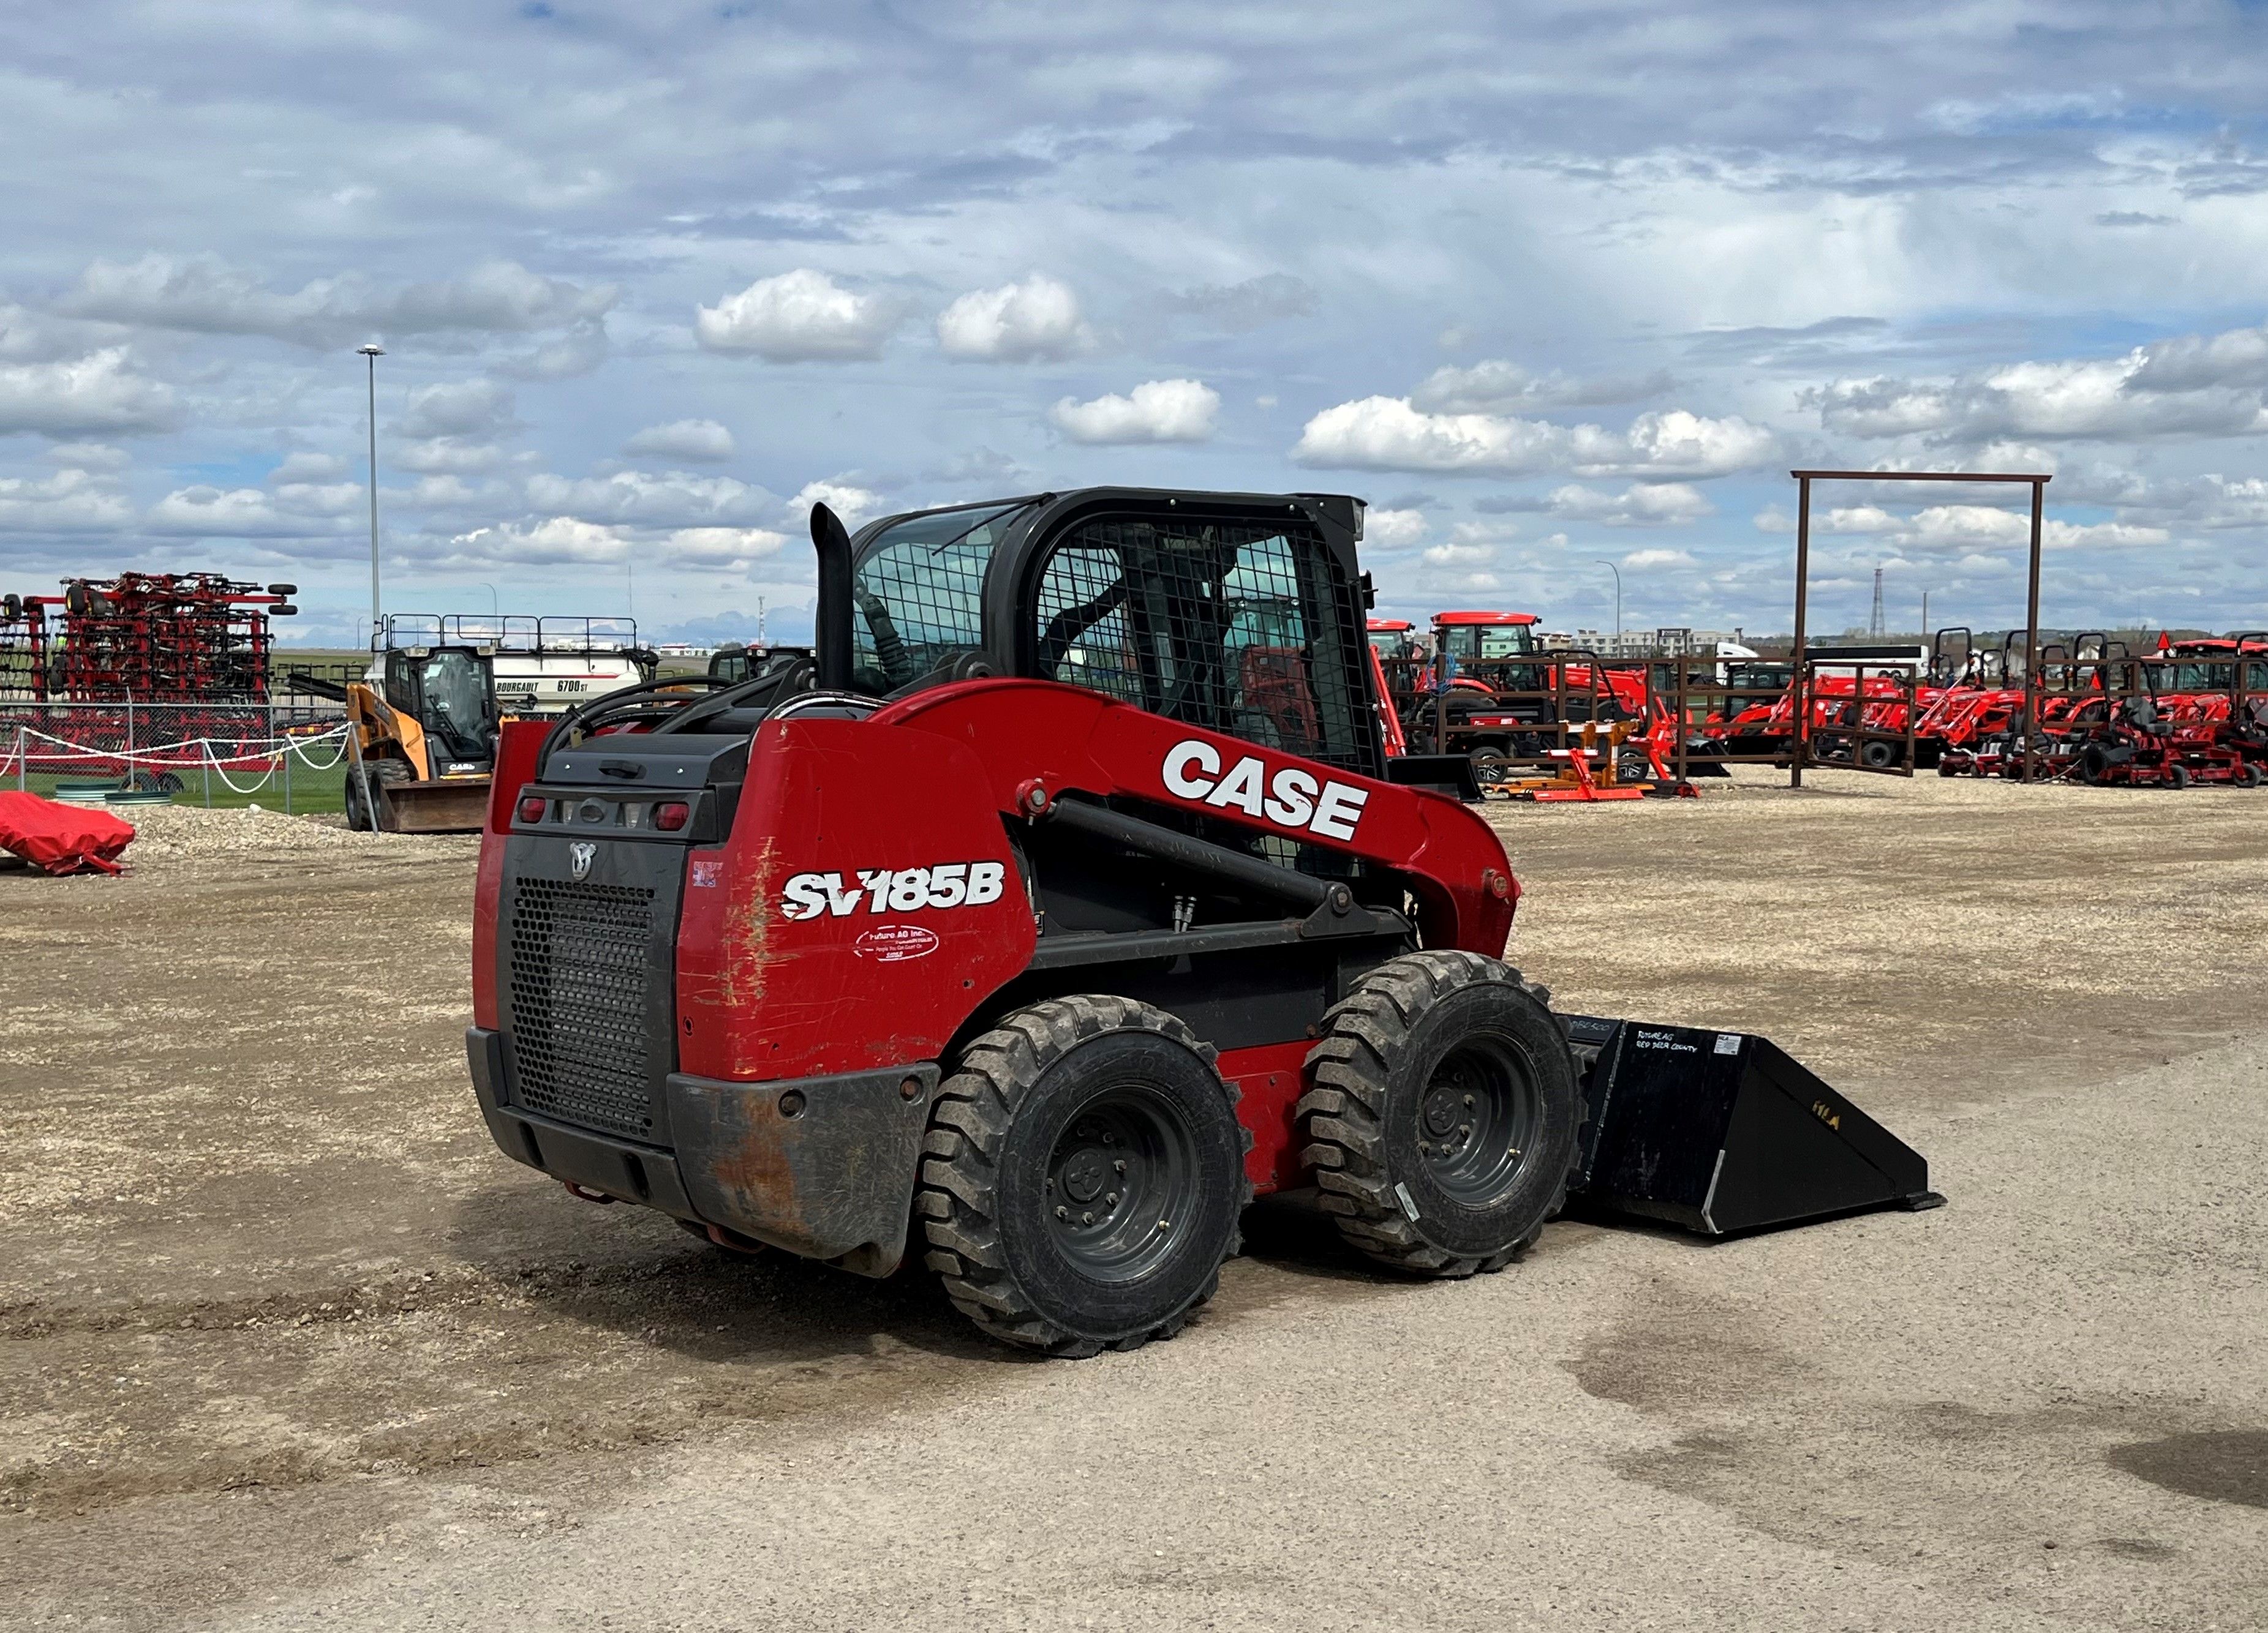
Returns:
<point x="1022" y="1121"/>
<point x="383" y="774"/>
<point x="2177" y="776"/>
<point x="1416" y="1028"/>
<point x="1879" y="755"/>
<point x="2247" y="775"/>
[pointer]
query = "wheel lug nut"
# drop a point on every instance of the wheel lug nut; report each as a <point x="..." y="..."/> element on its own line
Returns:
<point x="1424" y="1150"/>
<point x="1469" y="1102"/>
<point x="1063" y="1213"/>
<point x="1119" y="1166"/>
<point x="1110" y="1201"/>
<point x="1087" y="1218"/>
<point x="1165" y="1224"/>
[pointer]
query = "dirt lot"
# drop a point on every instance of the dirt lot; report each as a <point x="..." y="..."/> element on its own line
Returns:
<point x="283" y="1341"/>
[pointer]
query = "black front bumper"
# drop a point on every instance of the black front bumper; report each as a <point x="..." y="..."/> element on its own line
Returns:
<point x="820" y="1167"/>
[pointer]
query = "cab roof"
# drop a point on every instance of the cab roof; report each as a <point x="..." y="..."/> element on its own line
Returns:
<point x="1484" y="618"/>
<point x="1388" y="626"/>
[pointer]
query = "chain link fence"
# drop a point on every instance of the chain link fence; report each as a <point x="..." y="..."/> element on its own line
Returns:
<point x="288" y="756"/>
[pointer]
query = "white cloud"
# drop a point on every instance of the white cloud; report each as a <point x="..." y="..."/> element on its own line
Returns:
<point x="1035" y="320"/>
<point x="1658" y="558"/>
<point x="325" y="498"/>
<point x="1963" y="526"/>
<point x="100" y="392"/>
<point x="1641" y="505"/>
<point x="202" y="512"/>
<point x="849" y="501"/>
<point x="1460" y="554"/>
<point x="90" y="456"/>
<point x="1154" y="411"/>
<point x="1496" y="384"/>
<point x="674" y="499"/>
<point x="578" y="351"/>
<point x="565" y="540"/>
<point x="1684" y="443"/>
<point x="2188" y="386"/>
<point x="461" y="408"/>
<point x="801" y="316"/>
<point x="552" y="541"/>
<point x="1856" y="519"/>
<point x="1387" y="433"/>
<point x="27" y="336"/>
<point x="462" y="456"/>
<point x="70" y="501"/>
<point x="704" y="440"/>
<point x="1938" y="529"/>
<point x="734" y="547"/>
<point x="305" y="467"/>
<point x="1393" y="530"/>
<point x="203" y="294"/>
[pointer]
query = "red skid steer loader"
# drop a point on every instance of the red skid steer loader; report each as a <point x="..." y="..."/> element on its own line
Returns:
<point x="1058" y="903"/>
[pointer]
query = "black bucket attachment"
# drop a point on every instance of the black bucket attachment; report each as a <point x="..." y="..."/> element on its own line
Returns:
<point x="1723" y="1131"/>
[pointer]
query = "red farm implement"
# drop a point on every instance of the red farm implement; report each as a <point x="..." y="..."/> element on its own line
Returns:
<point x="141" y="638"/>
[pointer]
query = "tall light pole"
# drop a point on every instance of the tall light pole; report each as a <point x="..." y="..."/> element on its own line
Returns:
<point x="1617" y="572"/>
<point x="371" y="355"/>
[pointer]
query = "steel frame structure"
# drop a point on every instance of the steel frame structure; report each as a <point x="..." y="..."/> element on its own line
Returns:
<point x="1804" y="479"/>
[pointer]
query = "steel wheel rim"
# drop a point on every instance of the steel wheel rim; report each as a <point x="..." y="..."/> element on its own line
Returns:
<point x="1478" y="1119"/>
<point x="1121" y="1183"/>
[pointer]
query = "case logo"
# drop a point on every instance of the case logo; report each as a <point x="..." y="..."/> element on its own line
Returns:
<point x="1292" y="798"/>
<point x="879" y="890"/>
<point x="580" y="857"/>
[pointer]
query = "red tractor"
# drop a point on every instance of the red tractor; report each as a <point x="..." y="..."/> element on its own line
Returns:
<point x="1147" y="945"/>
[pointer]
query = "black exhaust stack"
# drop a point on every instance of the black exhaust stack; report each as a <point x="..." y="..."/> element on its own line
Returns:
<point x="831" y="633"/>
<point x="1724" y="1132"/>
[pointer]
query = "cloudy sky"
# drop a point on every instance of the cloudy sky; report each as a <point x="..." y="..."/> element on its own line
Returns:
<point x="1550" y="285"/>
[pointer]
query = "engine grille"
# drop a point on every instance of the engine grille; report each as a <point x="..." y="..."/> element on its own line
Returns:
<point x="580" y="955"/>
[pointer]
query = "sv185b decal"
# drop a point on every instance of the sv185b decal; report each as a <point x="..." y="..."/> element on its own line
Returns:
<point x="1291" y="799"/>
<point x="885" y="890"/>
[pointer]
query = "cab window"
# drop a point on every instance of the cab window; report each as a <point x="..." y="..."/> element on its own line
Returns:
<point x="1245" y="629"/>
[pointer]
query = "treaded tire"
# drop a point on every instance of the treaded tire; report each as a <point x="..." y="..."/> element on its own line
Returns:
<point x="1008" y="1135"/>
<point x="383" y="774"/>
<point x="1405" y="1035"/>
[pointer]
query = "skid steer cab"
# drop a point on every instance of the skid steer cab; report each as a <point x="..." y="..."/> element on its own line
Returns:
<point x="1054" y="905"/>
<point x="423" y="740"/>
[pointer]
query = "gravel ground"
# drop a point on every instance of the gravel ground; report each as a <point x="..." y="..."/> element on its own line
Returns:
<point x="283" y="1342"/>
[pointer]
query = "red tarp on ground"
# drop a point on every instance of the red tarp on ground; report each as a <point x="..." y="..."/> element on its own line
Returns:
<point x="60" y="838"/>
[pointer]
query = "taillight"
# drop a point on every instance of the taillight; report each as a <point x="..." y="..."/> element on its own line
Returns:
<point x="671" y="817"/>
<point x="531" y="808"/>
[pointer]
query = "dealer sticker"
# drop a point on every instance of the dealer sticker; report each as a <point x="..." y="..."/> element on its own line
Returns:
<point x="708" y="873"/>
<point x="894" y="944"/>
